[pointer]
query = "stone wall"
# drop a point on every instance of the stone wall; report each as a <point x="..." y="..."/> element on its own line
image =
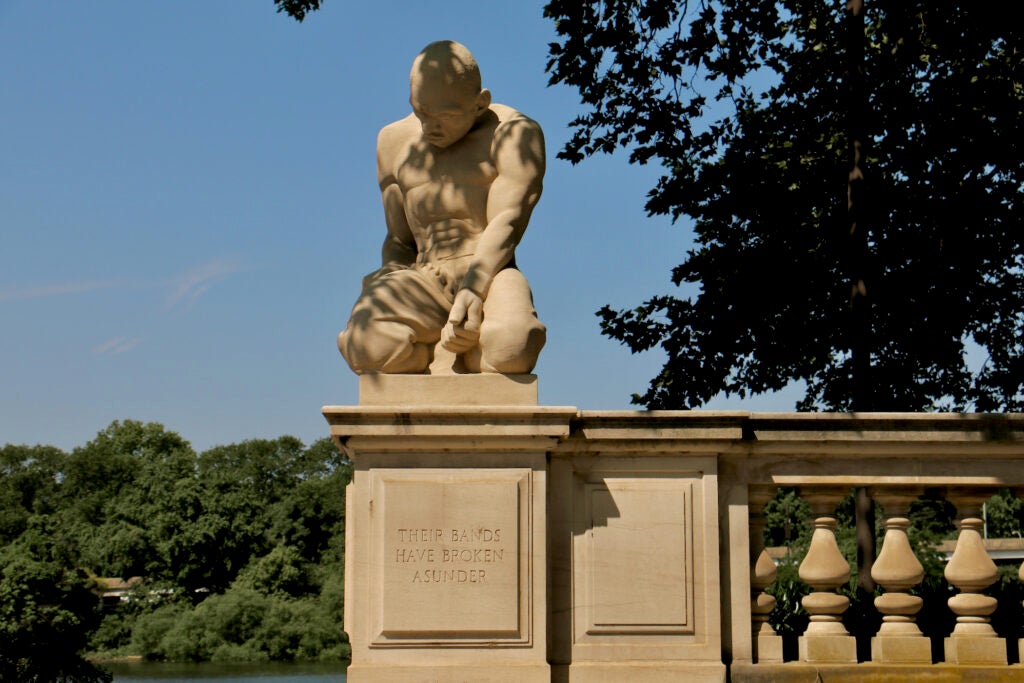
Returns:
<point x="526" y="543"/>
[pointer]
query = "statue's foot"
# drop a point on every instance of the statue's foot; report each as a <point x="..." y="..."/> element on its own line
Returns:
<point x="446" y="362"/>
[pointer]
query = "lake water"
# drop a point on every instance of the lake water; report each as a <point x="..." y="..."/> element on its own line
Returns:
<point x="145" y="672"/>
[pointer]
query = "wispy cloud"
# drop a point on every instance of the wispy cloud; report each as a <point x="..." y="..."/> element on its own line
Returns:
<point x="185" y="288"/>
<point x="21" y="293"/>
<point x="193" y="283"/>
<point x="117" y="345"/>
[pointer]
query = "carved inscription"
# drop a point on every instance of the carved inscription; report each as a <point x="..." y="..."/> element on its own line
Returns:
<point x="449" y="555"/>
<point x="450" y="552"/>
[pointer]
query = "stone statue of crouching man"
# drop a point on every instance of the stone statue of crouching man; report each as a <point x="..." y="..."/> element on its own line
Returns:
<point x="459" y="179"/>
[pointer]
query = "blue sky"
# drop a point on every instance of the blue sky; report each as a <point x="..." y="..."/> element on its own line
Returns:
<point x="188" y="204"/>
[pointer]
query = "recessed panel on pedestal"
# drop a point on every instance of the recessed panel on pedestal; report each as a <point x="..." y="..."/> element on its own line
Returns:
<point x="636" y="573"/>
<point x="453" y="557"/>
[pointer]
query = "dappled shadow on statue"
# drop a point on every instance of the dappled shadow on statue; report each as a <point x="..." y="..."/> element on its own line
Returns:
<point x="459" y="179"/>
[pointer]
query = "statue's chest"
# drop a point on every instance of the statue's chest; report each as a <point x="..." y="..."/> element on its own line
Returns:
<point x="464" y="169"/>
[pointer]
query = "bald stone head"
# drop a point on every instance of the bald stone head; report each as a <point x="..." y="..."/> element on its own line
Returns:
<point x="446" y="93"/>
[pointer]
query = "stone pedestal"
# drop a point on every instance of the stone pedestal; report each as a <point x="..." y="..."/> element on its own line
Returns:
<point x="961" y="650"/>
<point x="636" y="592"/>
<point x="768" y="647"/>
<point x="447" y="390"/>
<point x="911" y="649"/>
<point x="446" y="543"/>
<point x="827" y="649"/>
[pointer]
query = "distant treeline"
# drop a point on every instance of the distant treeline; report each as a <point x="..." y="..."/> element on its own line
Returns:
<point x="239" y="551"/>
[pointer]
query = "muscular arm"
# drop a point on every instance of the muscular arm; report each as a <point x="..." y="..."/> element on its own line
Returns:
<point x="518" y="153"/>
<point x="399" y="247"/>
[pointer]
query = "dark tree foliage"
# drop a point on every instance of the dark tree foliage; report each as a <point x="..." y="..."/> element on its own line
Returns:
<point x="297" y="9"/>
<point x="46" y="613"/>
<point x="28" y="485"/>
<point x="255" y="529"/>
<point x="744" y="105"/>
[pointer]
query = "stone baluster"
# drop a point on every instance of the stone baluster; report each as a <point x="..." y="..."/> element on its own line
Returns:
<point x="824" y="569"/>
<point x="767" y="645"/>
<point x="1020" y="641"/>
<point x="973" y="640"/>
<point x="897" y="570"/>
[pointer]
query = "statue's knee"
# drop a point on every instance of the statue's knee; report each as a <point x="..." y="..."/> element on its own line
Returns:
<point x="358" y="353"/>
<point x="382" y="349"/>
<point x="512" y="346"/>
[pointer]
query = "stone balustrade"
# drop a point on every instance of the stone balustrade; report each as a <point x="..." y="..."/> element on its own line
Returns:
<point x="898" y="457"/>
<point x="632" y="548"/>
<point x="897" y="570"/>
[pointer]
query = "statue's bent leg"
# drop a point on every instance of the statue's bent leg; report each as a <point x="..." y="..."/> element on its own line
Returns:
<point x="511" y="336"/>
<point x="394" y="324"/>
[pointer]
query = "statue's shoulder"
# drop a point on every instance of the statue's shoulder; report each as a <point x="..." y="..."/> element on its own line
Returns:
<point x="507" y="115"/>
<point x="513" y="125"/>
<point x="395" y="135"/>
<point x="519" y="133"/>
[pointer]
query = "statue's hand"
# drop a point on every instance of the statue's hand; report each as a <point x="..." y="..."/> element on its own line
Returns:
<point x="463" y="329"/>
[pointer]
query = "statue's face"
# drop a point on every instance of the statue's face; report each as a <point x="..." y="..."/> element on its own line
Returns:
<point x="446" y="112"/>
